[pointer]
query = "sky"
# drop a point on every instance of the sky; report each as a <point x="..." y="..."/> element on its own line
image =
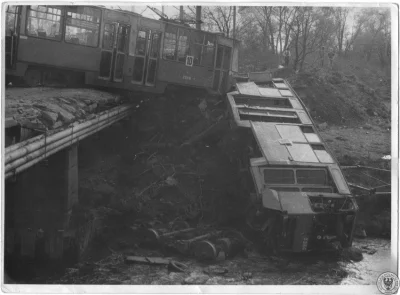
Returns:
<point x="170" y="11"/>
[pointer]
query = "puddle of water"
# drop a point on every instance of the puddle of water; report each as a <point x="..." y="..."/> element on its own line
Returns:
<point x="366" y="272"/>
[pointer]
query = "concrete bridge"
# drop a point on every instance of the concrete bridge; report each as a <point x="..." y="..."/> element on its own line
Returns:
<point x="41" y="185"/>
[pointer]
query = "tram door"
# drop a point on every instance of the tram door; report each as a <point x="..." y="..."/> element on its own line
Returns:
<point x="146" y="57"/>
<point x="222" y="68"/>
<point x="114" y="51"/>
<point x="12" y="34"/>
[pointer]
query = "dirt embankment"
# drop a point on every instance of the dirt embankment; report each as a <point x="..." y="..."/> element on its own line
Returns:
<point x="354" y="120"/>
<point x="340" y="99"/>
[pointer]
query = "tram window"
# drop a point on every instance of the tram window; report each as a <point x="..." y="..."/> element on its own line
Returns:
<point x="316" y="176"/>
<point x="285" y="189"/>
<point x="82" y="25"/>
<point x="225" y="78"/>
<point x="119" y="67"/>
<point x="183" y="45"/>
<point x="197" y="37"/>
<point x="123" y="36"/>
<point x="138" y="69"/>
<point x="155" y="45"/>
<point x="44" y="22"/>
<point x="210" y="40"/>
<point x="279" y="176"/>
<point x="105" y="62"/>
<point x="196" y="46"/>
<point x="169" y="51"/>
<point x="11" y="20"/>
<point x="227" y="58"/>
<point x="208" y="51"/>
<point x="217" y="75"/>
<point x="141" y="43"/>
<point x="108" y="36"/>
<point x="220" y="52"/>
<point x="152" y="71"/>
<point x="317" y="189"/>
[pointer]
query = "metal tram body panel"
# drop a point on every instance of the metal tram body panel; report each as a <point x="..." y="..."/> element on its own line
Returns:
<point x="116" y="48"/>
<point x="296" y="179"/>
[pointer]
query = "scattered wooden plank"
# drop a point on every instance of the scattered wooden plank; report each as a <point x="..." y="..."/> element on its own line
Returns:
<point x="147" y="260"/>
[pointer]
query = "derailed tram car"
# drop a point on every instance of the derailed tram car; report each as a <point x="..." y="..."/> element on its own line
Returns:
<point x="113" y="48"/>
<point x="301" y="201"/>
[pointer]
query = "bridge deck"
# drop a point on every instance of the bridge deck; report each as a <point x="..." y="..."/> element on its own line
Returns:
<point x="35" y="110"/>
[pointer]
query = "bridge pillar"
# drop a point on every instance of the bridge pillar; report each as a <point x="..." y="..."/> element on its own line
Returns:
<point x="38" y="206"/>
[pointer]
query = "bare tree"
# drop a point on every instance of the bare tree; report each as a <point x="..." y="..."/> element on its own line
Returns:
<point x="374" y="38"/>
<point x="220" y="17"/>
<point x="312" y="28"/>
<point x="264" y="18"/>
<point x="284" y="17"/>
<point x="356" y="30"/>
<point x="341" y="15"/>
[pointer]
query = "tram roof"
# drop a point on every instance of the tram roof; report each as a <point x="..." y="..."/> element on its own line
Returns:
<point x="279" y="122"/>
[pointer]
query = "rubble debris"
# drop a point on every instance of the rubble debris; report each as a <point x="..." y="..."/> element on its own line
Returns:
<point x="55" y="107"/>
<point x="360" y="232"/>
<point x="171" y="181"/>
<point x="49" y="117"/>
<point x="352" y="253"/>
<point x="323" y="126"/>
<point x="216" y="270"/>
<point x="172" y="265"/>
<point x="10" y="122"/>
<point x="203" y="134"/>
<point x="368" y="250"/>
<point x="247" y="275"/>
<point x="175" y="266"/>
<point x="196" y="279"/>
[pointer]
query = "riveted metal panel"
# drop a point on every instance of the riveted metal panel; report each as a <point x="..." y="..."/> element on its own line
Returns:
<point x="323" y="156"/>
<point x="303" y="117"/>
<point x="295" y="103"/>
<point x="302" y="153"/>
<point x="291" y="132"/>
<point x="339" y="179"/>
<point x="268" y="139"/>
<point x="249" y="88"/>
<point x="281" y="85"/>
<point x="270" y="92"/>
<point x="295" y="202"/>
<point x="286" y="92"/>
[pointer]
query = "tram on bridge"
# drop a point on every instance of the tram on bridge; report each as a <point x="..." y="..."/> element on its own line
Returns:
<point x="119" y="49"/>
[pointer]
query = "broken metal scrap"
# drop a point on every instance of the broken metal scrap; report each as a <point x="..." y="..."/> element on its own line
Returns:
<point x="203" y="244"/>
